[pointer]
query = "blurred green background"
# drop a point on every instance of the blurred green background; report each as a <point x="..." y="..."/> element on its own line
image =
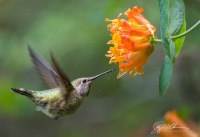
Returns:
<point x="76" y="33"/>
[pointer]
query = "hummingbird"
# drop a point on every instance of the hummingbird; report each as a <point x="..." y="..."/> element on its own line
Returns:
<point x="62" y="97"/>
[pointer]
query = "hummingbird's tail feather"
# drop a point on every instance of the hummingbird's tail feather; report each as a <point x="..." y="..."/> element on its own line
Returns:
<point x="23" y="92"/>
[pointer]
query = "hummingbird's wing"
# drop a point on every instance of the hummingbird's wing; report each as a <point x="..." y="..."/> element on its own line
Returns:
<point x="50" y="78"/>
<point x="65" y="81"/>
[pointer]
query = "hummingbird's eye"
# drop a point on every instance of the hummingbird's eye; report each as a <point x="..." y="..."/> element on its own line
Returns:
<point x="84" y="81"/>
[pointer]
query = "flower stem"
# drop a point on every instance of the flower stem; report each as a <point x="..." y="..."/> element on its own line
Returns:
<point x="157" y="40"/>
<point x="186" y="32"/>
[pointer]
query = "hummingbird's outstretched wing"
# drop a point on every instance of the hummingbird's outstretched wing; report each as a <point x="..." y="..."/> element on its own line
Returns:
<point x="52" y="78"/>
<point x="65" y="81"/>
<point x="48" y="75"/>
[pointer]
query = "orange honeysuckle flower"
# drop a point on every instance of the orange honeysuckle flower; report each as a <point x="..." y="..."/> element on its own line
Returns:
<point x="175" y="127"/>
<point x="132" y="41"/>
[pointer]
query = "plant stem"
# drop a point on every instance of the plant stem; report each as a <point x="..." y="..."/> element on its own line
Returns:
<point x="157" y="40"/>
<point x="186" y="32"/>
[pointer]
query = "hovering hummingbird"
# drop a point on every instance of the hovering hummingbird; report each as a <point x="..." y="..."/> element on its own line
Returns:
<point x="62" y="96"/>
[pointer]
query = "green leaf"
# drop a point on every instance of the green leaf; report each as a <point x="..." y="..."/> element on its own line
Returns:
<point x="172" y="23"/>
<point x="179" y="41"/>
<point x="165" y="75"/>
<point x="164" y="9"/>
<point x="172" y="49"/>
<point x="176" y="16"/>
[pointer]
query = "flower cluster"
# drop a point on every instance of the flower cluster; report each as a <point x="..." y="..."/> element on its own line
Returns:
<point x="132" y="41"/>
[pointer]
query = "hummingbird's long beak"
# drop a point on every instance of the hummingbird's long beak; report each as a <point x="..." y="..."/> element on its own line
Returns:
<point x="93" y="78"/>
